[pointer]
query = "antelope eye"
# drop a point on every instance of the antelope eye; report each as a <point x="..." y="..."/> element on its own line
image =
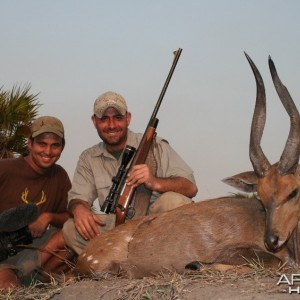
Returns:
<point x="293" y="194"/>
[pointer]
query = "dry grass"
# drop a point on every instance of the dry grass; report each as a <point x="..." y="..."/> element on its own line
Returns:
<point x="34" y="291"/>
<point x="167" y="285"/>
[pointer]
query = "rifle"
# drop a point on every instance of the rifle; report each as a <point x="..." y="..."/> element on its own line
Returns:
<point x="111" y="201"/>
<point x="127" y="192"/>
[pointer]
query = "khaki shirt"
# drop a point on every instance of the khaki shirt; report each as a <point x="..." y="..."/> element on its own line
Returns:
<point x="96" y="168"/>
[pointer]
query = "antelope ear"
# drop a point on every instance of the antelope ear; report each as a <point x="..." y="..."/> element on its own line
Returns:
<point x="245" y="181"/>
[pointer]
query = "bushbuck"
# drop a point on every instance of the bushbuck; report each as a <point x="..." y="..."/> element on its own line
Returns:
<point x="227" y="230"/>
<point x="277" y="185"/>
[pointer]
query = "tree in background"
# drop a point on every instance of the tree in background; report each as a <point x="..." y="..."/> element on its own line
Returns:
<point x="18" y="108"/>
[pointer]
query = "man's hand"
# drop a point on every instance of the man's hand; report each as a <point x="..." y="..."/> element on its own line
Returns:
<point x="141" y="174"/>
<point x="86" y="222"/>
<point x="39" y="226"/>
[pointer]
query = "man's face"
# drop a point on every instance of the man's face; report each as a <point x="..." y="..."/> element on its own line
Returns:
<point x="45" y="150"/>
<point x="112" y="128"/>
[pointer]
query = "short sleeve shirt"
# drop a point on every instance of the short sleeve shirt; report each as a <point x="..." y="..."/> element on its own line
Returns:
<point x="20" y="184"/>
<point x="96" y="168"/>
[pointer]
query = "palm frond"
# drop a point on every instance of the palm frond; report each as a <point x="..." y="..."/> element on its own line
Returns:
<point x="18" y="108"/>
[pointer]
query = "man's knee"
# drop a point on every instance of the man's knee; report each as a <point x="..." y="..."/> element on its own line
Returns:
<point x="168" y="201"/>
<point x="75" y="241"/>
<point x="72" y="237"/>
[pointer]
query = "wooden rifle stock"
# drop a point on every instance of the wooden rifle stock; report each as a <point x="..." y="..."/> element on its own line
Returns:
<point x="127" y="193"/>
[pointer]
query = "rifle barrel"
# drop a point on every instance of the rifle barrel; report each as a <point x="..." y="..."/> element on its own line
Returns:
<point x="177" y="54"/>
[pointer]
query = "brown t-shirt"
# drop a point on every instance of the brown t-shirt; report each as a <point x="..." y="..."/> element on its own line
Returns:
<point x="20" y="184"/>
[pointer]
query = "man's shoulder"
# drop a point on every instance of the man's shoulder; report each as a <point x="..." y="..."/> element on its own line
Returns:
<point x="94" y="150"/>
<point x="11" y="162"/>
<point x="161" y="140"/>
<point x="60" y="175"/>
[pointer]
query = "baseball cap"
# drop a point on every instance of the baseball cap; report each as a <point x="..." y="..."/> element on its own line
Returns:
<point x="47" y="124"/>
<point x="109" y="99"/>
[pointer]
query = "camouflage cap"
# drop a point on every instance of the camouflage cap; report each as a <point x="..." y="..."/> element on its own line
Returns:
<point x="47" y="124"/>
<point x="109" y="99"/>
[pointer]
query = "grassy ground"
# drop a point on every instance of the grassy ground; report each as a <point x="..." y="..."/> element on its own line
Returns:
<point x="258" y="283"/>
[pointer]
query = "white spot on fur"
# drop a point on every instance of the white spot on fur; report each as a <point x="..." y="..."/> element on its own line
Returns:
<point x="89" y="258"/>
<point x="128" y="238"/>
<point x="83" y="254"/>
<point x="96" y="261"/>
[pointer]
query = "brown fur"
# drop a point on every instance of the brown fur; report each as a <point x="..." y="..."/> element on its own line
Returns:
<point x="280" y="195"/>
<point x="219" y="231"/>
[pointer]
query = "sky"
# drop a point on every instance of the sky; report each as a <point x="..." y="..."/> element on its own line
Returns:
<point x="71" y="51"/>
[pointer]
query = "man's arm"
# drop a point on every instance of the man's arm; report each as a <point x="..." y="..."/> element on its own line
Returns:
<point x="179" y="185"/>
<point x="58" y="219"/>
<point x="141" y="174"/>
<point x="85" y="221"/>
<point x="39" y="226"/>
<point x="75" y="203"/>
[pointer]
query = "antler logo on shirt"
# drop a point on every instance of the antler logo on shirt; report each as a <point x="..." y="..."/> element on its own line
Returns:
<point x="24" y="197"/>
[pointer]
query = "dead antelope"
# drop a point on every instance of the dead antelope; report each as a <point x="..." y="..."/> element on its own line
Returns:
<point x="218" y="231"/>
<point x="277" y="185"/>
<point x="226" y="231"/>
